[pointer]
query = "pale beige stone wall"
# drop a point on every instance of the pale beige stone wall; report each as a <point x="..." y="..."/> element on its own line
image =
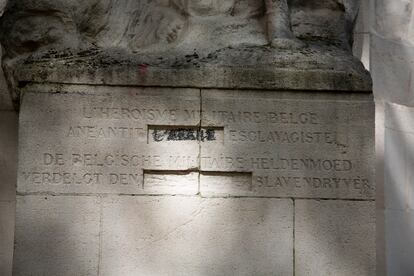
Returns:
<point x="361" y="34"/>
<point x="392" y="66"/>
<point x="284" y="178"/>
<point x="361" y="47"/>
<point x="8" y="171"/>
<point x="8" y="174"/>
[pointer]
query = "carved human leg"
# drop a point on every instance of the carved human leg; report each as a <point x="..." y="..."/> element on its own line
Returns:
<point x="278" y="25"/>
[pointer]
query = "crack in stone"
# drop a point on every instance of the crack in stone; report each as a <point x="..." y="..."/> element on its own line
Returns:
<point x="193" y="216"/>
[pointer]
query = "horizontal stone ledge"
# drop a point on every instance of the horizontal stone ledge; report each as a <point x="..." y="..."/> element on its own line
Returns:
<point x="121" y="195"/>
<point x="245" y="67"/>
<point x="263" y="78"/>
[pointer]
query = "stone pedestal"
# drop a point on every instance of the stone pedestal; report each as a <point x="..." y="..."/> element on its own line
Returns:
<point x="187" y="181"/>
<point x="200" y="137"/>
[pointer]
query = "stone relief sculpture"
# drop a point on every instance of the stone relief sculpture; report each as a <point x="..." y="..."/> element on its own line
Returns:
<point x="279" y="29"/>
<point x="165" y="22"/>
<point x="31" y="25"/>
<point x="304" y="34"/>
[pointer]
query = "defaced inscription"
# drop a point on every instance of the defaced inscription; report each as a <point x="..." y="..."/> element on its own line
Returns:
<point x="85" y="168"/>
<point x="136" y="147"/>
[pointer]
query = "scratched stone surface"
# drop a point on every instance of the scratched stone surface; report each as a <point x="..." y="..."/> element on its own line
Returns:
<point x="289" y="145"/>
<point x="195" y="236"/>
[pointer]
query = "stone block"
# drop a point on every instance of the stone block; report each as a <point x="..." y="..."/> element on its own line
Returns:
<point x="226" y="184"/>
<point x="57" y="235"/>
<point x="5" y="96"/>
<point x="7" y="210"/>
<point x="334" y="238"/>
<point x="85" y="140"/>
<point x="362" y="24"/>
<point x="291" y="144"/>
<point x="196" y="236"/>
<point x="399" y="117"/>
<point x="394" y="20"/>
<point x="399" y="238"/>
<point x="361" y="48"/>
<point x="8" y="155"/>
<point x="379" y="153"/>
<point x="398" y="167"/>
<point x="82" y="139"/>
<point x="392" y="70"/>
<point x="171" y="182"/>
<point x="399" y="157"/>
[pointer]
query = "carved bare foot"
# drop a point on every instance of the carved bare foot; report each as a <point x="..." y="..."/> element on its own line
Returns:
<point x="279" y="30"/>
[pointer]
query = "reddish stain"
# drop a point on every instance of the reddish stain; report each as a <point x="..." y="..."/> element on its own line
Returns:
<point x="143" y="67"/>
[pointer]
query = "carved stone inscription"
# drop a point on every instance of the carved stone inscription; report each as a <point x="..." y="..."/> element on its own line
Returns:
<point x="181" y="141"/>
<point x="300" y="145"/>
<point x="96" y="140"/>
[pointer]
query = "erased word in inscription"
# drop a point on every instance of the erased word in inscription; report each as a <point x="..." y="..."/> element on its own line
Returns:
<point x="183" y="134"/>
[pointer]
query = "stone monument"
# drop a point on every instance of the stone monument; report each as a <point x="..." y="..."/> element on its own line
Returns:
<point x="191" y="137"/>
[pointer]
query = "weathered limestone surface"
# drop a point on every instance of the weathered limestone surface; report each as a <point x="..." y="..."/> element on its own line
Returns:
<point x="56" y="235"/>
<point x="182" y="134"/>
<point x="292" y="145"/>
<point x="7" y="211"/>
<point x="103" y="144"/>
<point x="159" y="25"/>
<point x="334" y="238"/>
<point x="209" y="44"/>
<point x="5" y="96"/>
<point x="8" y="154"/>
<point x="392" y="67"/>
<point x="79" y="139"/>
<point x="8" y="173"/>
<point x="8" y="179"/>
<point x="97" y="141"/>
<point x="74" y="235"/>
<point x="194" y="236"/>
